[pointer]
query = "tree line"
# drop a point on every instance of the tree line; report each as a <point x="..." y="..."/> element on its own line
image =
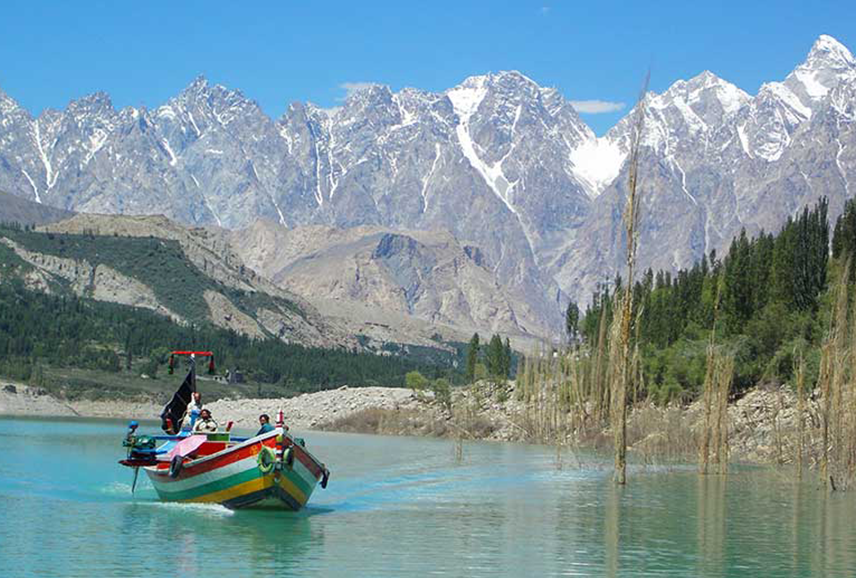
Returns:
<point x="68" y="331"/>
<point x="768" y="297"/>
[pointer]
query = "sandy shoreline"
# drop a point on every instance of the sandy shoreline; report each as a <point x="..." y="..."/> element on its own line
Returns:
<point x="303" y="412"/>
<point x="762" y="424"/>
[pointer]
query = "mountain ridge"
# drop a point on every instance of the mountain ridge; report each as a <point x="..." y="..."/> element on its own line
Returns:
<point x="504" y="164"/>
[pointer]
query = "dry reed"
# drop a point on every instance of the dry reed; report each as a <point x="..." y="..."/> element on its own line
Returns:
<point x="619" y="358"/>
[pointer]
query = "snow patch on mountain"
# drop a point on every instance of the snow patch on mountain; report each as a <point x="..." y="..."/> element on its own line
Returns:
<point x="32" y="184"/>
<point x="596" y="163"/>
<point x="832" y="51"/>
<point x="466" y="100"/>
<point x="172" y="159"/>
<point x="795" y="107"/>
<point x="49" y="172"/>
<point x="729" y="96"/>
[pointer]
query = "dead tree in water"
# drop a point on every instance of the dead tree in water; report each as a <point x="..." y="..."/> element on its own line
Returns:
<point x="800" y="377"/>
<point x="724" y="378"/>
<point x="710" y="389"/>
<point x="619" y="359"/>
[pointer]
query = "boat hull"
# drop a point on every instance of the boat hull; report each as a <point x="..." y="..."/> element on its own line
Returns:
<point x="233" y="477"/>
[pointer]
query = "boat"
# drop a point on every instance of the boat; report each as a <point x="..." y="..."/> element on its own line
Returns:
<point x="271" y="470"/>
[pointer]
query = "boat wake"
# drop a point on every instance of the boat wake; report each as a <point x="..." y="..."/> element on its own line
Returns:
<point x="206" y="509"/>
<point x="116" y="489"/>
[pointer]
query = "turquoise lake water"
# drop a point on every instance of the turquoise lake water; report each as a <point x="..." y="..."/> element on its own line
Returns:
<point x="407" y="507"/>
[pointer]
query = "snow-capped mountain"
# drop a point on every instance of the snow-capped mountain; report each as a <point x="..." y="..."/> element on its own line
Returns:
<point x="499" y="161"/>
<point x="716" y="160"/>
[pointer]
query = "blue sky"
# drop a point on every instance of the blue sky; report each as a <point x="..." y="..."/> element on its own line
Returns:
<point x="142" y="53"/>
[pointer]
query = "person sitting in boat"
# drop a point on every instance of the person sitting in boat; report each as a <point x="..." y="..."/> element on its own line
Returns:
<point x="191" y="414"/>
<point x="131" y="436"/>
<point x="205" y="423"/>
<point x="264" y="420"/>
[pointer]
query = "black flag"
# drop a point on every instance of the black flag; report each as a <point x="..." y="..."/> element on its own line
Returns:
<point x="174" y="411"/>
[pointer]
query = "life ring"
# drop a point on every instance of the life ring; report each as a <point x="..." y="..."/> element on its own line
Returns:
<point x="288" y="456"/>
<point x="175" y="466"/>
<point x="266" y="459"/>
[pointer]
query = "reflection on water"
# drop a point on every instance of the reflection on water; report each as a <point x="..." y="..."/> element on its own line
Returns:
<point x="404" y="506"/>
<point x="710" y="498"/>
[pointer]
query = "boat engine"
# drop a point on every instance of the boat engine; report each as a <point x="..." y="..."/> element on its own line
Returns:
<point x="141" y="449"/>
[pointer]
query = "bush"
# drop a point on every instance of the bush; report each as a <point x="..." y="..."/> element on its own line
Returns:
<point x="415" y="381"/>
<point x="442" y="393"/>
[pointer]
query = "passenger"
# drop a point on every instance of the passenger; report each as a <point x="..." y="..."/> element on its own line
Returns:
<point x="191" y="415"/>
<point x="264" y="419"/>
<point x="205" y="423"/>
<point x="131" y="436"/>
<point x="195" y="402"/>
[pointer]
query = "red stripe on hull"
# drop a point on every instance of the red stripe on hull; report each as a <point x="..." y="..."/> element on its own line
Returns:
<point x="191" y="469"/>
<point x="300" y="454"/>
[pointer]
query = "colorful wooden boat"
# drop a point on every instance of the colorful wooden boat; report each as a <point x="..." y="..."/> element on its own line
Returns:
<point x="271" y="470"/>
<point x="242" y="473"/>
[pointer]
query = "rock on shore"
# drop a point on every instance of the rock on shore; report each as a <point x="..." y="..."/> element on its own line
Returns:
<point x="310" y="410"/>
<point x="20" y="399"/>
<point x="302" y="412"/>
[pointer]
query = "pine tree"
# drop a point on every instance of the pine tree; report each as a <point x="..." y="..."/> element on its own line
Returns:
<point x="495" y="356"/>
<point x="472" y="357"/>
<point x="572" y="321"/>
<point x="737" y="292"/>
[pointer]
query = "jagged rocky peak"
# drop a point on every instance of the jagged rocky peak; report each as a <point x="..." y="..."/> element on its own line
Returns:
<point x="197" y="86"/>
<point x="765" y="129"/>
<point x="374" y="103"/>
<point x="97" y="105"/>
<point x="707" y="88"/>
<point x="699" y="102"/>
<point x="222" y="103"/>
<point x="368" y="93"/>
<point x="8" y="104"/>
<point x="418" y="105"/>
<point x="827" y="65"/>
<point x="512" y="81"/>
<point x="827" y="52"/>
<point x="468" y="96"/>
<point x="503" y="86"/>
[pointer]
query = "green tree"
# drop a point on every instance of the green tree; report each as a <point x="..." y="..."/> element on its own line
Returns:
<point x="480" y="372"/>
<point x="415" y="381"/>
<point x="495" y="357"/>
<point x="737" y="291"/>
<point x="150" y="368"/>
<point x="572" y="321"/>
<point x="472" y="357"/>
<point x="442" y="392"/>
<point x="506" y="359"/>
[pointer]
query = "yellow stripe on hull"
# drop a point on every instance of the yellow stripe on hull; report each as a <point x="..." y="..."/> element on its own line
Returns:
<point x="235" y="491"/>
<point x="288" y="486"/>
<point x="262" y="483"/>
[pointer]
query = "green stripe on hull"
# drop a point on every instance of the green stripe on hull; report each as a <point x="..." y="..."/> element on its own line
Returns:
<point x="227" y="482"/>
<point x="210" y="487"/>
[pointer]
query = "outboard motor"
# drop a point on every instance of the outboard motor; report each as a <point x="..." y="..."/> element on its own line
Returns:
<point x="141" y="449"/>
